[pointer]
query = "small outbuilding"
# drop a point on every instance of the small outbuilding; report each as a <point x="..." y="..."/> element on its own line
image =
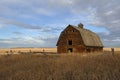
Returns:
<point x="78" y="40"/>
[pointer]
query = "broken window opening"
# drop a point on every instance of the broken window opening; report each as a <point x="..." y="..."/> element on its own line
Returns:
<point x="70" y="42"/>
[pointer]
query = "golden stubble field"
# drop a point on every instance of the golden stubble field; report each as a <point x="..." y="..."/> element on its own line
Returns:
<point x="25" y="50"/>
<point x="39" y="50"/>
<point x="58" y="67"/>
<point x="109" y="49"/>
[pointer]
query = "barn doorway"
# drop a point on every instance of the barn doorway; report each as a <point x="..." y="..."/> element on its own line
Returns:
<point x="70" y="50"/>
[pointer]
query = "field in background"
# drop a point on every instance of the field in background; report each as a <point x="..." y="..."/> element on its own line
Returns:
<point x="27" y="50"/>
<point x="40" y="50"/>
<point x="109" y="49"/>
<point x="58" y="67"/>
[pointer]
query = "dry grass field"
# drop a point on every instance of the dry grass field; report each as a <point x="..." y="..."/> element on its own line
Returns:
<point x="58" y="67"/>
<point x="39" y="50"/>
<point x="109" y="49"/>
<point x="26" y="50"/>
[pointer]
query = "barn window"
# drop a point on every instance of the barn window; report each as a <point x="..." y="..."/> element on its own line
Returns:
<point x="70" y="42"/>
<point x="70" y="50"/>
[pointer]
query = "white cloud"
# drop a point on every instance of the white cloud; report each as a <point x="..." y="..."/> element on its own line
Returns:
<point x="29" y="41"/>
<point x="21" y="42"/>
<point x="99" y="13"/>
<point x="43" y="11"/>
<point x="17" y="23"/>
<point x="1" y="25"/>
<point x="116" y="40"/>
<point x="109" y="13"/>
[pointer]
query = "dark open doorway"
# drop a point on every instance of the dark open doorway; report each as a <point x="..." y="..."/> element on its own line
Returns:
<point x="70" y="50"/>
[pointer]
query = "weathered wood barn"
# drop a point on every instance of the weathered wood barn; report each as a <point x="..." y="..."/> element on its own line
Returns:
<point x="77" y="40"/>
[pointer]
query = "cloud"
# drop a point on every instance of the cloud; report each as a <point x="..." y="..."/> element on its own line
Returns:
<point x="46" y="28"/>
<point x="50" y="40"/>
<point x="29" y="41"/>
<point x="18" y="33"/>
<point x="111" y="43"/>
<point x="106" y="14"/>
<point x="19" y="42"/>
<point x="17" y="23"/>
<point x="31" y="8"/>
<point x="52" y="16"/>
<point x="1" y="25"/>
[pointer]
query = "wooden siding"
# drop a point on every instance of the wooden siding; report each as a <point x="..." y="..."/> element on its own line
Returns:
<point x="73" y="35"/>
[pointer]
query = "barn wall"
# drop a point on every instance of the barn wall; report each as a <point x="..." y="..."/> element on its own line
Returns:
<point x="94" y="49"/>
<point x="72" y="34"/>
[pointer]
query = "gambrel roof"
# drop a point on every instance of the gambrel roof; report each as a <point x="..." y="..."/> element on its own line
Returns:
<point x="89" y="38"/>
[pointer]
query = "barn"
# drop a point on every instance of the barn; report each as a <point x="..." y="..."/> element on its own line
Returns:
<point x="76" y="39"/>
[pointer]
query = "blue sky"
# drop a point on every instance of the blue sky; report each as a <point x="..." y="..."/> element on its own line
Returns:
<point x="38" y="23"/>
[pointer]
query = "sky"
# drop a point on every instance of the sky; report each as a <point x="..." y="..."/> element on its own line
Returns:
<point x="38" y="23"/>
